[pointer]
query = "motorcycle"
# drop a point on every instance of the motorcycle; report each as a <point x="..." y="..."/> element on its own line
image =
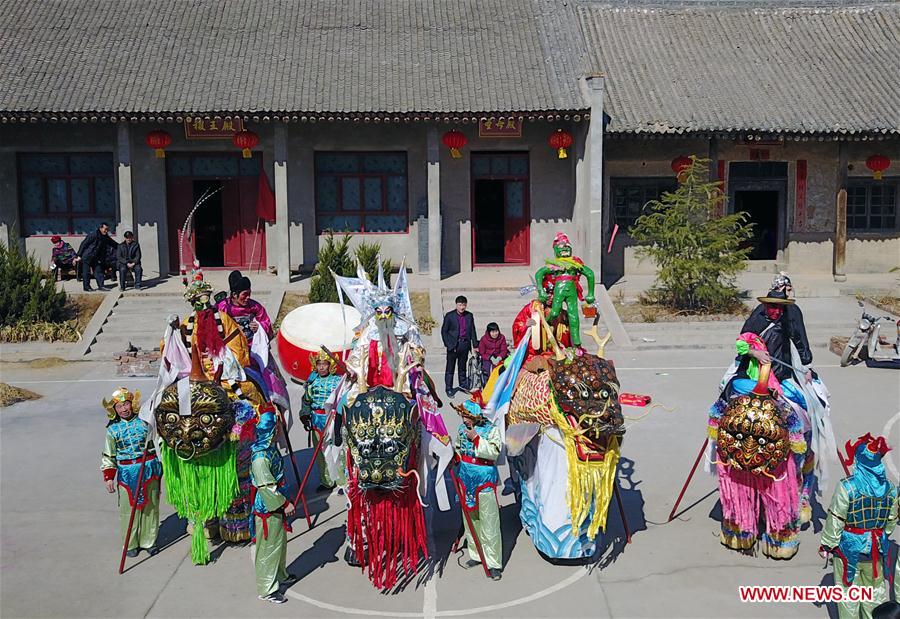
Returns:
<point x="868" y="342"/>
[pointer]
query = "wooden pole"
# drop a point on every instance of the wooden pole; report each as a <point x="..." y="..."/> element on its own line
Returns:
<point x="137" y="495"/>
<point x="312" y="461"/>
<point x="688" y="480"/>
<point x="287" y="440"/>
<point x="840" y="237"/>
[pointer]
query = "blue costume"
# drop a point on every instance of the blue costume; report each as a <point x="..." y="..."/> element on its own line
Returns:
<point x="862" y="515"/>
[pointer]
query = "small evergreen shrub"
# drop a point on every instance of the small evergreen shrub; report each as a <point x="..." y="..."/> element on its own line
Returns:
<point x="334" y="256"/>
<point x="367" y="255"/>
<point x="28" y="294"/>
<point x="698" y="254"/>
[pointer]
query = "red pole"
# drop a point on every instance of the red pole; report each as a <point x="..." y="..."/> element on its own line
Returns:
<point x="463" y="508"/>
<point x="622" y="511"/>
<point x="287" y="440"/>
<point x="688" y="480"/>
<point x="137" y="494"/>
<point x="312" y="461"/>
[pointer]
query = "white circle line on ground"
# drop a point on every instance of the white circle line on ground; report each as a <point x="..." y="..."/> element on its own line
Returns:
<point x="443" y="613"/>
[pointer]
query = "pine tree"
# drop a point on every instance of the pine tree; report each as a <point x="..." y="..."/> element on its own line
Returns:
<point x="367" y="255"/>
<point x="698" y="253"/>
<point x="334" y="256"/>
<point x="29" y="295"/>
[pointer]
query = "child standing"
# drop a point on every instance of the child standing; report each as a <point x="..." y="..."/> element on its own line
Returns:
<point x="126" y="439"/>
<point x="492" y="348"/>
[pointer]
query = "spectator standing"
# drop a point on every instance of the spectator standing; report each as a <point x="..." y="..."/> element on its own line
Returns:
<point x="93" y="251"/>
<point x="128" y="258"/>
<point x="458" y="334"/>
<point x="492" y="348"/>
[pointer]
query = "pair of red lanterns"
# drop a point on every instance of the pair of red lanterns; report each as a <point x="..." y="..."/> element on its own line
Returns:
<point x="877" y="163"/>
<point x="159" y="140"/>
<point x="559" y="140"/>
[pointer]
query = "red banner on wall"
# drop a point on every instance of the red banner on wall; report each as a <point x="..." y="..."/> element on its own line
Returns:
<point x="800" y="205"/>
<point x="212" y="128"/>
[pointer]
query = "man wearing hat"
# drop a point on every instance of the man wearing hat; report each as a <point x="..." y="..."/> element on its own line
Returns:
<point x="128" y="258"/>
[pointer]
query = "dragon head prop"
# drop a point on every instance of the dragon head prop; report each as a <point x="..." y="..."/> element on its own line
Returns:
<point x="587" y="390"/>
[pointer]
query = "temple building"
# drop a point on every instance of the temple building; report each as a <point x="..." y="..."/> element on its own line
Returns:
<point x="458" y="134"/>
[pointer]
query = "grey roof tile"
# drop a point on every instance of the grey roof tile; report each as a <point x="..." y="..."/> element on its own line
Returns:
<point x="283" y="55"/>
<point x="674" y="70"/>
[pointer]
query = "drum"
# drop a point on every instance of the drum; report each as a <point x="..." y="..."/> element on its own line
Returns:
<point x="306" y="329"/>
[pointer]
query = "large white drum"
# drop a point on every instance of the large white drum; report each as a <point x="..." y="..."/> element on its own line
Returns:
<point x="306" y="329"/>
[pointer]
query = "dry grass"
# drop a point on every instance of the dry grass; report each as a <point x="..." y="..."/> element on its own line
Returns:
<point x="9" y="395"/>
<point x="887" y="303"/>
<point x="641" y="311"/>
<point x="80" y="308"/>
<point x="421" y="302"/>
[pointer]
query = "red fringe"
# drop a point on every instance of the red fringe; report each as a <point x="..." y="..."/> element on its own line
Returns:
<point x="386" y="530"/>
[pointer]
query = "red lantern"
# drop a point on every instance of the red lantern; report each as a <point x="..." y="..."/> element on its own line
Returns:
<point x="158" y="140"/>
<point x="455" y="140"/>
<point x="245" y="140"/>
<point x="878" y="164"/>
<point x="560" y="140"/>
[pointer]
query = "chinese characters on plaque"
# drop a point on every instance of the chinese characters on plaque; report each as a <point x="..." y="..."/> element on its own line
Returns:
<point x="212" y="128"/>
<point x="500" y="128"/>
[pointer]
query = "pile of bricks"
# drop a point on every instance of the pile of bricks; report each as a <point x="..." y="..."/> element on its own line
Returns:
<point x="137" y="362"/>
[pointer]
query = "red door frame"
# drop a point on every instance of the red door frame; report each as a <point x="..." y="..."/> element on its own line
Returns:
<point x="244" y="190"/>
<point x="526" y="203"/>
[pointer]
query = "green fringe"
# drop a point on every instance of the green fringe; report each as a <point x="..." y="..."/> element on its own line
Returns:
<point x="200" y="489"/>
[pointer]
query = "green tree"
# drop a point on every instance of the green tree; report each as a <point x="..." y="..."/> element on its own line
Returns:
<point x="28" y="296"/>
<point x="367" y="255"/>
<point x="334" y="256"/>
<point x="698" y="253"/>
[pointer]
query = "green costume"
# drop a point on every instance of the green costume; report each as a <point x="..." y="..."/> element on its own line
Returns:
<point x="270" y="525"/>
<point x="123" y="454"/>
<point x="862" y="516"/>
<point x="478" y="476"/>
<point x="558" y="282"/>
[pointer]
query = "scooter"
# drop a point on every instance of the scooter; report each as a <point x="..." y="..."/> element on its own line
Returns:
<point x="867" y="342"/>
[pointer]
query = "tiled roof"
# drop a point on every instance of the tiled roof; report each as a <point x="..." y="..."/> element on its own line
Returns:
<point x="827" y="69"/>
<point x="396" y="56"/>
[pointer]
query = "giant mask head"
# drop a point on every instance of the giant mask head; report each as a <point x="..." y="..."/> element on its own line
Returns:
<point x="587" y="390"/>
<point x="205" y="429"/>
<point x="753" y="433"/>
<point x="380" y="435"/>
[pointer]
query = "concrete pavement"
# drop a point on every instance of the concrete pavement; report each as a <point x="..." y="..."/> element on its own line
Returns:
<point x="60" y="547"/>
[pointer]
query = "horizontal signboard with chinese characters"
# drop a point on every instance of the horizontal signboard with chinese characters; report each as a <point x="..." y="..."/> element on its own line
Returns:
<point x="212" y="128"/>
<point x="500" y="128"/>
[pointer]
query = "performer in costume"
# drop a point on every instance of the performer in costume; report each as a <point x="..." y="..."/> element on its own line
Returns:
<point x="862" y="516"/>
<point x="248" y="313"/>
<point x="559" y="328"/>
<point x="565" y="270"/>
<point x="382" y="429"/>
<point x="127" y="436"/>
<point x="319" y="388"/>
<point x="270" y="511"/>
<point x="478" y="446"/>
<point x="759" y="445"/>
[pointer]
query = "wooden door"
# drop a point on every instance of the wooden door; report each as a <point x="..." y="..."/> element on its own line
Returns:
<point x="253" y="229"/>
<point x="232" y="226"/>
<point x="179" y="202"/>
<point x="516" y="228"/>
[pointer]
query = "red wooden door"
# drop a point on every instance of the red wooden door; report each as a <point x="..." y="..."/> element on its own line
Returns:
<point x="232" y="228"/>
<point x="253" y="229"/>
<point x="179" y="202"/>
<point x="516" y="228"/>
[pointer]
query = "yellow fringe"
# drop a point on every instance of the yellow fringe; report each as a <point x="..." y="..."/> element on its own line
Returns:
<point x="590" y="483"/>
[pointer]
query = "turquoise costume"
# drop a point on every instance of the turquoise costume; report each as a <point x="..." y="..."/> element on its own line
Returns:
<point x="862" y="516"/>
<point x="318" y="390"/>
<point x="121" y="460"/>
<point x="270" y="525"/>
<point x="479" y="477"/>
